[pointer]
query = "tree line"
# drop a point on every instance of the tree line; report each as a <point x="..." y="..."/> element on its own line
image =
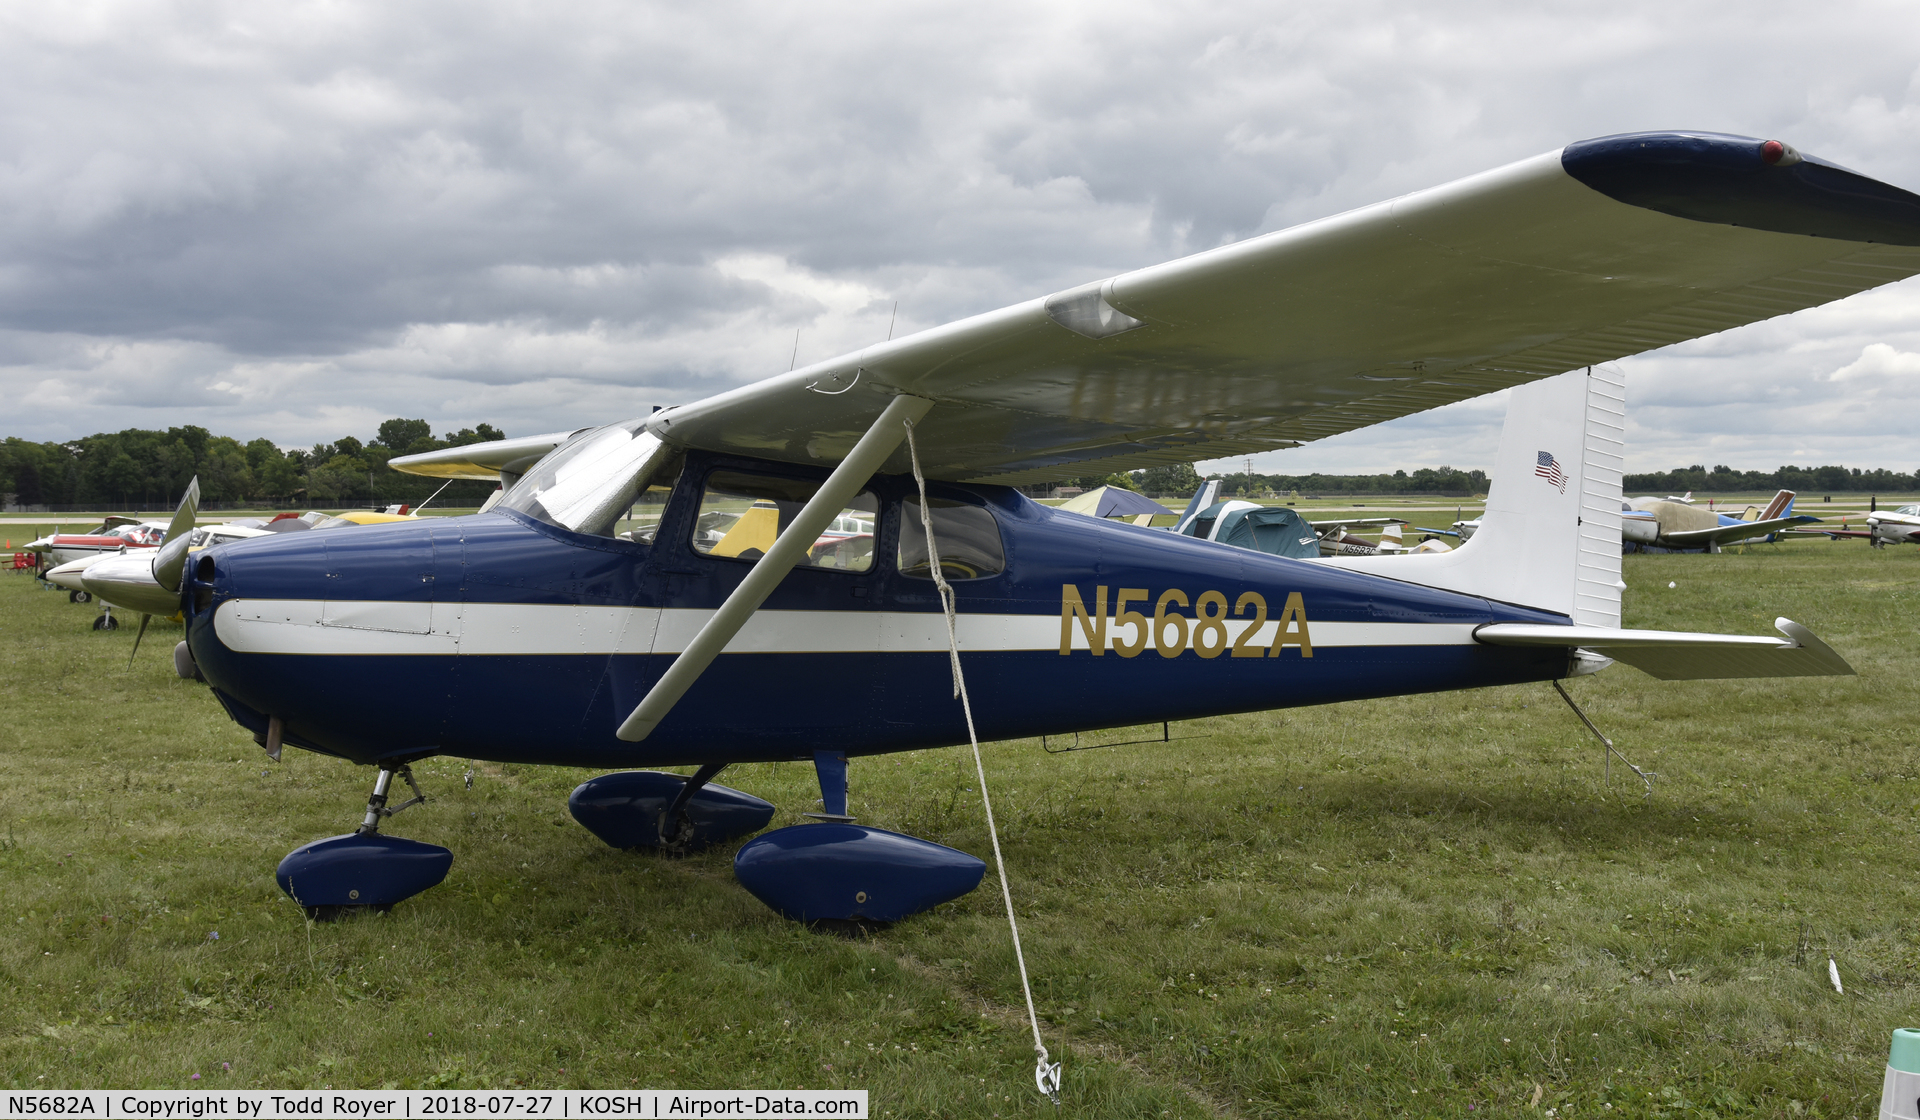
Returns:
<point x="141" y="466"/>
<point x="1180" y="479"/>
<point x="1803" y="480"/>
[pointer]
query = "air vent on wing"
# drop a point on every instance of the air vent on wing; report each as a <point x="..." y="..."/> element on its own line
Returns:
<point x="1085" y="311"/>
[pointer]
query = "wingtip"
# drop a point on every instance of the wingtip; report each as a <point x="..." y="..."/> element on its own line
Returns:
<point x="1804" y="638"/>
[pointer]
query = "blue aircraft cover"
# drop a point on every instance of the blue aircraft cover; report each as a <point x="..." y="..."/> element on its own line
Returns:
<point x="1274" y="530"/>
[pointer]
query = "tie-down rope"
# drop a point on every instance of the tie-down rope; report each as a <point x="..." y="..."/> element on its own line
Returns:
<point x="1046" y="1075"/>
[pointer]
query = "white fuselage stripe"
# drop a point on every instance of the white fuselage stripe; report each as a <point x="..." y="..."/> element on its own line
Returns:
<point x="353" y="627"/>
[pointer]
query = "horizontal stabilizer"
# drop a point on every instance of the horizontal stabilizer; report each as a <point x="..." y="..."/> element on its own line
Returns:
<point x="1677" y="656"/>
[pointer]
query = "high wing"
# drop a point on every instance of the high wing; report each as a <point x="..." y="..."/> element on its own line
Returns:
<point x="1605" y="248"/>
<point x="1676" y="656"/>
<point x="484" y="461"/>
<point x="1740" y="532"/>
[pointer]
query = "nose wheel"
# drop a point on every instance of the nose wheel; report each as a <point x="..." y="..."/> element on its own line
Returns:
<point x="364" y="870"/>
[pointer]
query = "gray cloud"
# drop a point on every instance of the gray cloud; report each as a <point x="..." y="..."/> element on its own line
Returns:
<point x="297" y="221"/>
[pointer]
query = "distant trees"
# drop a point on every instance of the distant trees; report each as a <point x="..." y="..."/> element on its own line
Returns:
<point x="1181" y="479"/>
<point x="139" y="466"/>
<point x="1176" y="478"/>
<point x="1722" y="479"/>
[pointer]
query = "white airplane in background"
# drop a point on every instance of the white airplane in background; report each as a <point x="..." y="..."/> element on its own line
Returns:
<point x="1884" y="527"/>
<point x="112" y="535"/>
<point x="72" y="574"/>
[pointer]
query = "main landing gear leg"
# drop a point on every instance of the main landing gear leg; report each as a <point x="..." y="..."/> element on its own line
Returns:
<point x="679" y="836"/>
<point x="364" y="870"/>
<point x="831" y="768"/>
<point x="672" y="815"/>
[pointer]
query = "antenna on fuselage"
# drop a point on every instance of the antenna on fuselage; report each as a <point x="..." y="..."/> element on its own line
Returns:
<point x="795" y="360"/>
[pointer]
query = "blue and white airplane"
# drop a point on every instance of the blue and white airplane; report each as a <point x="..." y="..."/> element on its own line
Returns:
<point x="665" y="591"/>
<point x="1665" y="525"/>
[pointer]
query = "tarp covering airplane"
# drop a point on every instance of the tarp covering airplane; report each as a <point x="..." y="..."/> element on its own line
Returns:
<point x="1113" y="501"/>
<point x="1275" y="530"/>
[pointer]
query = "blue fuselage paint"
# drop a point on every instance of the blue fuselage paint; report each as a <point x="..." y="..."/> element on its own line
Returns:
<point x="562" y="708"/>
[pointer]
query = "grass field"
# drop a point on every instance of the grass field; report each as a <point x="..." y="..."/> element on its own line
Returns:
<point x="1430" y="906"/>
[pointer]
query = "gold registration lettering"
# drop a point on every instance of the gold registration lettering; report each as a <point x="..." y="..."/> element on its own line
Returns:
<point x="1293" y="627"/>
<point x="1074" y="609"/>
<point x="1172" y="633"/>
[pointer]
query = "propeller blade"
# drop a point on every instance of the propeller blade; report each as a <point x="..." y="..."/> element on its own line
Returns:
<point x="171" y="562"/>
<point x="136" y="638"/>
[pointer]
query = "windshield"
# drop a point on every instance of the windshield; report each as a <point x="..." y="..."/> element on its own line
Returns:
<point x="590" y="482"/>
<point x="136" y="534"/>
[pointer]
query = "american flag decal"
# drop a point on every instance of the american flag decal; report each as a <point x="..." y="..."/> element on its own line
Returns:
<point x="1549" y="469"/>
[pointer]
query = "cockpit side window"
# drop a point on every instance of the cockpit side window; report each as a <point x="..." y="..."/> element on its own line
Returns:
<point x="966" y="536"/>
<point x="598" y="481"/>
<point x="742" y="514"/>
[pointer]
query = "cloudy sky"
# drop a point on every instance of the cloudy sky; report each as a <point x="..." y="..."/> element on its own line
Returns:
<point x="296" y="220"/>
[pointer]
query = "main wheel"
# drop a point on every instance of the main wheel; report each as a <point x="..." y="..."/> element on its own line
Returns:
<point x="106" y="622"/>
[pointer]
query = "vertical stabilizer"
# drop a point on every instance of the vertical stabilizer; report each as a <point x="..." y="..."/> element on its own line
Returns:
<point x="1550" y="537"/>
<point x="1208" y="493"/>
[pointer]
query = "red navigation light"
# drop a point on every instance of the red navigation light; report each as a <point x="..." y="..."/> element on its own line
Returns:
<point x="1772" y="150"/>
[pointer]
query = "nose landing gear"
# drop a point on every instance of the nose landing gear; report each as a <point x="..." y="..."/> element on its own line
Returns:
<point x="364" y="870"/>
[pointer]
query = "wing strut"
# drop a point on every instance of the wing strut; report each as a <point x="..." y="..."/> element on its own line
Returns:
<point x="787" y="551"/>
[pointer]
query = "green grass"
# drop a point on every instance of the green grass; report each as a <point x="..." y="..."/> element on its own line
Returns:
<point x="1398" y="907"/>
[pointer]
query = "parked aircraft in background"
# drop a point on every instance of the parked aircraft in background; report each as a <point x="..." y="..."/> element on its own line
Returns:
<point x="501" y="460"/>
<point x="1207" y="495"/>
<point x="1272" y="529"/>
<point x="1114" y="501"/>
<point x="67" y="575"/>
<point x="1884" y="527"/>
<point x="541" y="633"/>
<point x="1679" y="525"/>
<point x="71" y="575"/>
<point x="114" y="534"/>
<point x="1666" y="524"/>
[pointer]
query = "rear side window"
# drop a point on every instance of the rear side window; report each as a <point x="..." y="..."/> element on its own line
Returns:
<point x="966" y="535"/>
<point x="742" y="514"/>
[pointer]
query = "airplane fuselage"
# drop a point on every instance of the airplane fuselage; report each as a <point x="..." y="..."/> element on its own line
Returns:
<point x="501" y="637"/>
